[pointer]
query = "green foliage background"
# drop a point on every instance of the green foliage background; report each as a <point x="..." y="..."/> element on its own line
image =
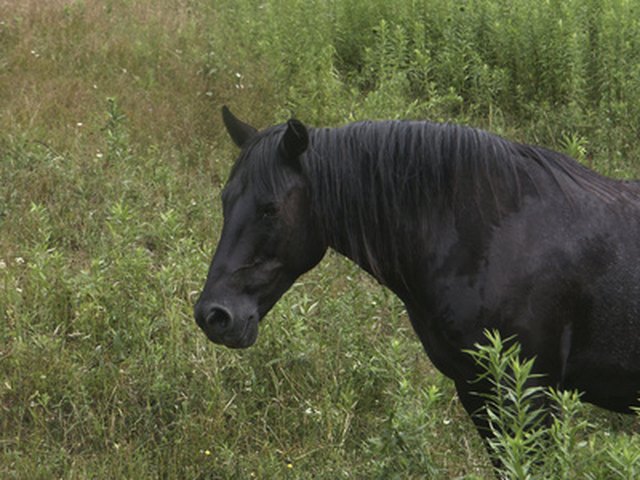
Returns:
<point x="112" y="156"/>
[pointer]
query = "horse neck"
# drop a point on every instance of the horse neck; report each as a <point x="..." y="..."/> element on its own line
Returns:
<point x="389" y="213"/>
<point x="362" y="214"/>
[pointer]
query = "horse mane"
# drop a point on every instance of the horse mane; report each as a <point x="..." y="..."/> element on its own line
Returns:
<point x="372" y="178"/>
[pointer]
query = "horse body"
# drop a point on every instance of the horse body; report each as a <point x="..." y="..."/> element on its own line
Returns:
<point x="570" y="295"/>
<point x="557" y="267"/>
<point x="471" y="231"/>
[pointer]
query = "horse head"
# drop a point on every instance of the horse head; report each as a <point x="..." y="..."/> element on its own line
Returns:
<point x="269" y="235"/>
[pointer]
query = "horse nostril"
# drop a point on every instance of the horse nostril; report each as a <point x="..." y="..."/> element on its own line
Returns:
<point x="219" y="318"/>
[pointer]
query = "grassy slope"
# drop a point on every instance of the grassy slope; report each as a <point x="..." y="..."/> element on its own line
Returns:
<point x="111" y="160"/>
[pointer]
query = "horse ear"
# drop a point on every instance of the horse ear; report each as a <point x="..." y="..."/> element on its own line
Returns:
<point x="239" y="132"/>
<point x="294" y="141"/>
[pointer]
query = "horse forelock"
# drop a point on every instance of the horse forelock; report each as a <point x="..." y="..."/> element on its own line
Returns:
<point x="257" y="166"/>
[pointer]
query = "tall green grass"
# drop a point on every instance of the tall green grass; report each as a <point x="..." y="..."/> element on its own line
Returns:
<point x="112" y="157"/>
<point x="544" y="68"/>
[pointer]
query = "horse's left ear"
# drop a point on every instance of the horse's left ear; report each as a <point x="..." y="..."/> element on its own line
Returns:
<point x="240" y="132"/>
<point x="294" y="141"/>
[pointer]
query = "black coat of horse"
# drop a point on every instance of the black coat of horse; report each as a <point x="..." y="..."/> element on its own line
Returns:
<point x="470" y="230"/>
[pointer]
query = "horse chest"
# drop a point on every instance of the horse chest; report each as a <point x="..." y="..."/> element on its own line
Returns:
<point x="447" y="329"/>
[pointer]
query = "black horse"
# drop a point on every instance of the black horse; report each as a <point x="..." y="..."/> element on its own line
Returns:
<point x="470" y="230"/>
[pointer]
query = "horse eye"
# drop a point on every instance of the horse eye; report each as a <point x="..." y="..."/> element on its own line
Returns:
<point x="268" y="210"/>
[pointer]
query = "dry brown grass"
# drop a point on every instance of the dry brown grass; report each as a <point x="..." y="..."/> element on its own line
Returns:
<point x="62" y="59"/>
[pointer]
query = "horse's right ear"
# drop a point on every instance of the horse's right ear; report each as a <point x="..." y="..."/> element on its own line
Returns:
<point x="239" y="131"/>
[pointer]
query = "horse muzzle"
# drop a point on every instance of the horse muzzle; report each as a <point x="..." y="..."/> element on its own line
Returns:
<point x="224" y="327"/>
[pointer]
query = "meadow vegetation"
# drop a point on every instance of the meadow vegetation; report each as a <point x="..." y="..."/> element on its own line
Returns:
<point x="112" y="157"/>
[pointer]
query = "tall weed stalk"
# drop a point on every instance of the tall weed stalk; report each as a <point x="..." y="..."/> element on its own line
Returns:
<point x="540" y="432"/>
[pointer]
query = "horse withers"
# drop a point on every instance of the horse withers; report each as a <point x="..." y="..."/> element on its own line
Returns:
<point x="471" y="231"/>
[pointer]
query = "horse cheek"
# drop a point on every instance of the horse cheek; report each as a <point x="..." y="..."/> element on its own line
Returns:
<point x="304" y="247"/>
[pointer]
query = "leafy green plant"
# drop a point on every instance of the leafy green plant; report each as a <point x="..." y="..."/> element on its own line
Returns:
<point x="514" y="408"/>
<point x="541" y="432"/>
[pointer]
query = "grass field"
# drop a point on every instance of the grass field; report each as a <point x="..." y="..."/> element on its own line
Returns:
<point x="112" y="157"/>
